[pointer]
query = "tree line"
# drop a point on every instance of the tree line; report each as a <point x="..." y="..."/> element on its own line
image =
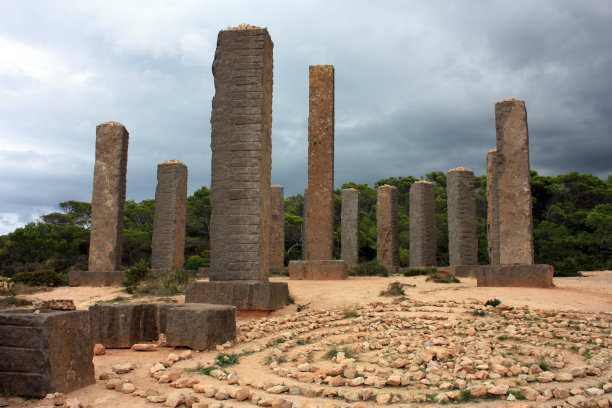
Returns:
<point x="572" y="223"/>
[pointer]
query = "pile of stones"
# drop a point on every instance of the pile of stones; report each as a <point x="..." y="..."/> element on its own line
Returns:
<point x="405" y="353"/>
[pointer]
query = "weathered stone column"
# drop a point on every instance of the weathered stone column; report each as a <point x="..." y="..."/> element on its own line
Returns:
<point x="277" y="228"/>
<point x="510" y="184"/>
<point x="107" y="208"/>
<point x="319" y="219"/>
<point x="387" y="226"/>
<point x="350" y="226"/>
<point x="462" y="228"/>
<point x="168" y="244"/>
<point x="423" y="240"/>
<point x="317" y="243"/>
<point x="240" y="183"/>
<point x="509" y="219"/>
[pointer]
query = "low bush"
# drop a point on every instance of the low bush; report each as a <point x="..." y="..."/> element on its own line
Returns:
<point x="394" y="289"/>
<point x="40" y="278"/>
<point x="416" y="272"/>
<point x="493" y="302"/>
<point x="371" y="268"/>
<point x="438" y="278"/>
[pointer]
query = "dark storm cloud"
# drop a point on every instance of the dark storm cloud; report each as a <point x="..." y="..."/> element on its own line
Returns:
<point x="416" y="84"/>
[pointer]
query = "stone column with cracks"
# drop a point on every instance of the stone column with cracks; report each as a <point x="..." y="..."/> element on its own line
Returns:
<point x="240" y="181"/>
<point x="277" y="228"/>
<point x="168" y="244"/>
<point x="423" y="234"/>
<point x="462" y="228"/>
<point x="387" y="226"/>
<point x="350" y="226"/>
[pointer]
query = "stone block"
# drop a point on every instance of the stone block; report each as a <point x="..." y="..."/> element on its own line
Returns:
<point x="318" y="270"/>
<point x="245" y="295"/>
<point x="387" y="227"/>
<point x="200" y="326"/>
<point x="117" y="325"/>
<point x="462" y="225"/>
<point x="96" y="278"/>
<point x="51" y="351"/>
<point x="423" y="233"/>
<point x="531" y="276"/>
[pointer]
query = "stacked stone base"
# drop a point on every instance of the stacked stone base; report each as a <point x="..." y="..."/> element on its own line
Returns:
<point x="530" y="276"/>
<point x="318" y="270"/>
<point x="244" y="295"/>
<point x="96" y="278"/>
<point x="44" y="353"/>
<point x="197" y="326"/>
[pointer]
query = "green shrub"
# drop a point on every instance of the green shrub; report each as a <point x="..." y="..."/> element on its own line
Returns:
<point x="198" y="261"/>
<point x="416" y="272"/>
<point x="39" y="278"/>
<point x="493" y="302"/>
<point x="224" y="359"/>
<point x="371" y="268"/>
<point x="394" y="289"/>
<point x="438" y="278"/>
<point x="135" y="274"/>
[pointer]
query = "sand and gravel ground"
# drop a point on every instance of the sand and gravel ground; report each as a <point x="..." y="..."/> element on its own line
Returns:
<point x="436" y="342"/>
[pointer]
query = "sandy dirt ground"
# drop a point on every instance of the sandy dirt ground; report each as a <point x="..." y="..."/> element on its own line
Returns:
<point x="590" y="293"/>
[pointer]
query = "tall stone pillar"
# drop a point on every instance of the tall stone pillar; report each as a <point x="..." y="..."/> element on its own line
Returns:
<point x="350" y="226"/>
<point x="462" y="228"/>
<point x="423" y="239"/>
<point x="277" y="228"/>
<point x="240" y="183"/>
<point x="168" y="244"/>
<point x="319" y="219"/>
<point x="317" y="243"/>
<point x="107" y="208"/>
<point x="387" y="226"/>
<point x="509" y="219"/>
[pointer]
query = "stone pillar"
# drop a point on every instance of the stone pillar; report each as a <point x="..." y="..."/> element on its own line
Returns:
<point x="240" y="182"/>
<point x="462" y="228"/>
<point x="319" y="219"/>
<point x="387" y="226"/>
<point x="168" y="246"/>
<point x="509" y="182"/>
<point x="107" y="208"/>
<point x="423" y="239"/>
<point x="317" y="242"/>
<point x="277" y="228"/>
<point x="350" y="226"/>
<point x="509" y="218"/>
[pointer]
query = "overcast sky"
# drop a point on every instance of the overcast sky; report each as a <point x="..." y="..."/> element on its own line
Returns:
<point x="416" y="84"/>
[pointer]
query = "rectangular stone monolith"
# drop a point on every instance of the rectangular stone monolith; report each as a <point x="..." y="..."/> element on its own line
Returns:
<point x="319" y="208"/>
<point x="107" y="208"/>
<point x="387" y="226"/>
<point x="423" y="239"/>
<point x="277" y="228"/>
<point x="45" y="351"/>
<point x="509" y="218"/>
<point x="241" y="165"/>
<point x="350" y="226"/>
<point x="462" y="227"/>
<point x="168" y="244"/>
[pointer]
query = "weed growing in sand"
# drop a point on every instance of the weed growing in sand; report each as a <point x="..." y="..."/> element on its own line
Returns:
<point x="349" y="313"/>
<point x="394" y="289"/>
<point x="200" y="369"/>
<point x="543" y="364"/>
<point x="224" y="359"/>
<point x="493" y="302"/>
<point x="518" y="395"/>
<point x="466" y="395"/>
<point x="438" y="278"/>
<point x="333" y="352"/>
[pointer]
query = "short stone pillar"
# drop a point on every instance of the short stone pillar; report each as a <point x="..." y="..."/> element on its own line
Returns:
<point x="45" y="351"/>
<point x="462" y="226"/>
<point x="319" y="208"/>
<point x="509" y="218"/>
<point x="423" y="239"/>
<point x="387" y="226"/>
<point x="107" y="208"/>
<point x="277" y="228"/>
<point x="240" y="180"/>
<point x="168" y="244"/>
<point x="350" y="226"/>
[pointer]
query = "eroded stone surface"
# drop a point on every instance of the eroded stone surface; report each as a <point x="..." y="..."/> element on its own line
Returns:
<point x="350" y="226"/>
<point x="462" y="227"/>
<point x="423" y="234"/>
<point x="319" y="207"/>
<point x="387" y="227"/>
<point x="277" y="228"/>
<point x="168" y="244"/>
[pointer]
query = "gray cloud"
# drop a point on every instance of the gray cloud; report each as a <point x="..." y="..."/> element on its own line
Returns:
<point x="416" y="84"/>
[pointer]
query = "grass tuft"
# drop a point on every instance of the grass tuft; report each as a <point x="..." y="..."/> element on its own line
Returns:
<point x="394" y="289"/>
